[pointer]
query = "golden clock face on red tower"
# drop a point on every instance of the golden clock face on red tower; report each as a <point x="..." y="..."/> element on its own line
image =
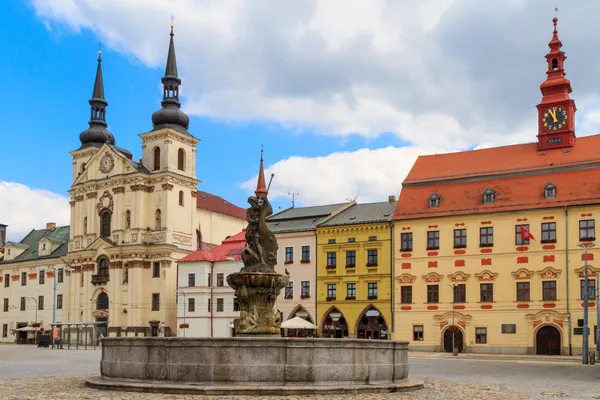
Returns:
<point x="555" y="118"/>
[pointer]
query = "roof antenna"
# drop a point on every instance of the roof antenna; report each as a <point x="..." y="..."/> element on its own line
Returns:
<point x="293" y="198"/>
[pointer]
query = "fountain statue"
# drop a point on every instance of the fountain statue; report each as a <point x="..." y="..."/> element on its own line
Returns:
<point x="257" y="285"/>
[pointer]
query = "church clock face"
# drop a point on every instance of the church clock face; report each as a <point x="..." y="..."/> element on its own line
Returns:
<point x="555" y="118"/>
<point x="106" y="163"/>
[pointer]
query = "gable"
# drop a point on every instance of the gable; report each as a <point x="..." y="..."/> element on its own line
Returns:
<point x="105" y="163"/>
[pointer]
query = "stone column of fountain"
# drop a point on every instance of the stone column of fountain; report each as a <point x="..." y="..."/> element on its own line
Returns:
<point x="257" y="285"/>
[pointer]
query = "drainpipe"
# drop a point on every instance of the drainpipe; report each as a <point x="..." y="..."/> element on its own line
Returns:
<point x="212" y="305"/>
<point x="318" y="330"/>
<point x="393" y="277"/>
<point x="567" y="274"/>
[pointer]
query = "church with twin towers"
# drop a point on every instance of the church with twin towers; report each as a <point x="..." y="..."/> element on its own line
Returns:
<point x="132" y="220"/>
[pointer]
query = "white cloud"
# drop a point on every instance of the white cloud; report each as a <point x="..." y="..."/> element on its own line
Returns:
<point x="24" y="208"/>
<point x="367" y="175"/>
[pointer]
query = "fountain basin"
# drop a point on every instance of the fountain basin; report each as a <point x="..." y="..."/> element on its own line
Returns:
<point x="253" y="365"/>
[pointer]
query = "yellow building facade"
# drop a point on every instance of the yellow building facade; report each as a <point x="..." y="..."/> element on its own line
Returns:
<point x="354" y="264"/>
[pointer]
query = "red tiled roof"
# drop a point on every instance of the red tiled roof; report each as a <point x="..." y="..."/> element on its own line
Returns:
<point x="517" y="174"/>
<point x="219" y="205"/>
<point x="497" y="160"/>
<point x="230" y="248"/>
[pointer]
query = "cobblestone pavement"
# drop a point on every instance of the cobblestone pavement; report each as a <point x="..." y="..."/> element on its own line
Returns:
<point x="73" y="388"/>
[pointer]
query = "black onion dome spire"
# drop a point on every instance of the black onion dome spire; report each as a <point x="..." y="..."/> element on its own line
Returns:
<point x="170" y="115"/>
<point x="96" y="135"/>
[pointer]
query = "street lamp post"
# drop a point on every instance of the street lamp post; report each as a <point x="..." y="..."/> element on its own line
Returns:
<point x="36" y="308"/>
<point x="586" y="295"/>
<point x="454" y="353"/>
<point x="55" y="269"/>
<point x="178" y="291"/>
<point x="597" y="316"/>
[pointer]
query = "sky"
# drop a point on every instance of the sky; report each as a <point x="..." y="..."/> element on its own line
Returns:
<point x="343" y="95"/>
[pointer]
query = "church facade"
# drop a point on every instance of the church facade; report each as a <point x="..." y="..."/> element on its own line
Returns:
<point x="131" y="220"/>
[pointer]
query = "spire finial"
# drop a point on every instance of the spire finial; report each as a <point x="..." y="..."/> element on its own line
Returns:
<point x="100" y="51"/>
<point x="261" y="186"/>
<point x="172" y="24"/>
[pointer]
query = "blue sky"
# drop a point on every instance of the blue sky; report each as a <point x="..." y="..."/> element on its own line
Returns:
<point x="344" y="95"/>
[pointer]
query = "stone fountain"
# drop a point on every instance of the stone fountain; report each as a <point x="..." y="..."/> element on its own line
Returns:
<point x="257" y="360"/>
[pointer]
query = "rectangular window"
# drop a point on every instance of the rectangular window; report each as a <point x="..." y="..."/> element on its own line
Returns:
<point x="487" y="292"/>
<point x="460" y="293"/>
<point x="5" y="305"/>
<point x="59" y="301"/>
<point x="305" y="289"/>
<point x="351" y="258"/>
<point x="236" y="304"/>
<point x="433" y="293"/>
<point x="351" y="240"/>
<point x="23" y="278"/>
<point x="372" y="238"/>
<point x="331" y="241"/>
<point x="372" y="290"/>
<point x="417" y="333"/>
<point x="523" y="291"/>
<point x="156" y="269"/>
<point x="191" y="305"/>
<point x="372" y="258"/>
<point x="6" y="280"/>
<point x="209" y="307"/>
<point x="155" y="301"/>
<point x="42" y="277"/>
<point x="305" y="253"/>
<point x="40" y="303"/>
<point x="289" y="291"/>
<point x="220" y="306"/>
<point x="460" y="238"/>
<point x="60" y="276"/>
<point x="518" y="238"/>
<point x="406" y="294"/>
<point x="209" y="280"/>
<point x="23" y="300"/>
<point x="486" y="237"/>
<point x="191" y="280"/>
<point x="481" y="335"/>
<point x="289" y="255"/>
<point x="549" y="290"/>
<point x="591" y="289"/>
<point x="433" y="240"/>
<point x="220" y="280"/>
<point x="331" y="258"/>
<point x="4" y="330"/>
<point x="406" y="243"/>
<point x="331" y="292"/>
<point x="587" y="230"/>
<point x="351" y="291"/>
<point x="549" y="232"/>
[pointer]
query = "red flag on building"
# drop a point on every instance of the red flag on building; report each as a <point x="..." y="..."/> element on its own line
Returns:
<point x="525" y="234"/>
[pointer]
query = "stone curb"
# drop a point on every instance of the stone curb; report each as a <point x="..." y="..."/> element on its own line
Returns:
<point x="217" y="390"/>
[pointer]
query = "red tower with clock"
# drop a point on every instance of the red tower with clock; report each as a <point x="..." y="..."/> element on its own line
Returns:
<point x="556" y="112"/>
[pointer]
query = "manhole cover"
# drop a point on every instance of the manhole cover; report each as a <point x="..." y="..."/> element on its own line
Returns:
<point x="553" y="394"/>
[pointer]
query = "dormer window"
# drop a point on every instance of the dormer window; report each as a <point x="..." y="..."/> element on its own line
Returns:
<point x="549" y="191"/>
<point x="434" y="201"/>
<point x="488" y="196"/>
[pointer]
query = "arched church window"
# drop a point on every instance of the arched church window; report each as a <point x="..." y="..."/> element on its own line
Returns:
<point x="85" y="225"/>
<point x="127" y="219"/>
<point x="554" y="64"/>
<point x="103" y="266"/>
<point x="105" y="217"/>
<point x="156" y="158"/>
<point x="181" y="197"/>
<point x="102" y="301"/>
<point x="181" y="160"/>
<point x="158" y="220"/>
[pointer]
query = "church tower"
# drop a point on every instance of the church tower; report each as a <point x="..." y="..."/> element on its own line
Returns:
<point x="556" y="112"/>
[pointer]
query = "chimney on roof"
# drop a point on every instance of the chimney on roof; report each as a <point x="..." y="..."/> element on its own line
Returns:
<point x="392" y="199"/>
<point x="2" y="235"/>
<point x="50" y="225"/>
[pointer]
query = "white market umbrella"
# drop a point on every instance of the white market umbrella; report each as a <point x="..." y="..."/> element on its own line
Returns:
<point x="298" y="323"/>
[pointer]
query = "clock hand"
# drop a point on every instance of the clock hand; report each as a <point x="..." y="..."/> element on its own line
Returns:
<point x="553" y="115"/>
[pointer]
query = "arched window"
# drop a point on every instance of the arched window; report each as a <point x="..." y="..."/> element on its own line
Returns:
<point x="181" y="160"/>
<point x="554" y="64"/>
<point x="127" y="219"/>
<point x="156" y="158"/>
<point x="434" y="201"/>
<point x="158" y="223"/>
<point x="85" y="225"/>
<point x="103" y="266"/>
<point x="181" y="197"/>
<point x="549" y="191"/>
<point x="105" y="223"/>
<point x="102" y="301"/>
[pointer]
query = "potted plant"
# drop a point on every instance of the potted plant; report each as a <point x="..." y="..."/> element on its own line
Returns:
<point x="184" y="326"/>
